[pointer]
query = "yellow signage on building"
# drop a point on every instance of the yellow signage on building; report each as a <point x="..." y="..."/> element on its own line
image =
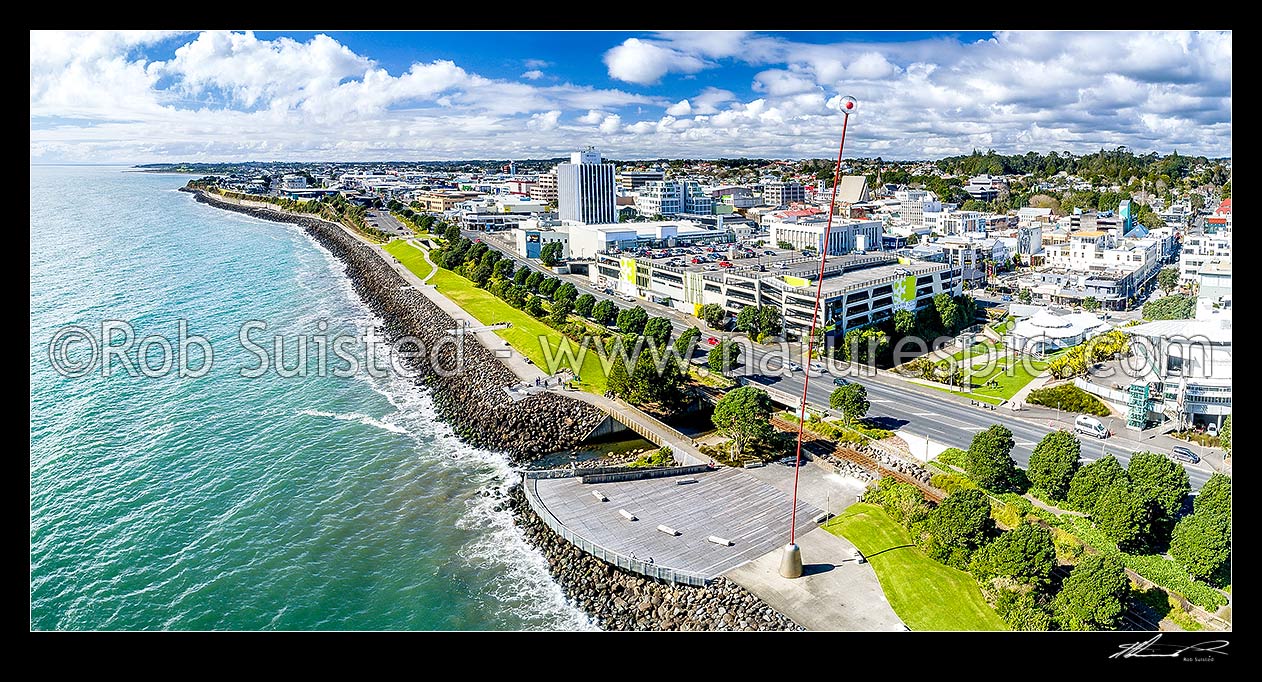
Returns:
<point x="904" y="260"/>
<point x="796" y="281"/>
<point x="628" y="269"/>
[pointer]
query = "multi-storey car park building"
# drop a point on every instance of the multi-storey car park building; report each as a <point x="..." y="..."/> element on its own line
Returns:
<point x="857" y="289"/>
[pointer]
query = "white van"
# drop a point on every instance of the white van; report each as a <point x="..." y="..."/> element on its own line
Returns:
<point x="1090" y="426"/>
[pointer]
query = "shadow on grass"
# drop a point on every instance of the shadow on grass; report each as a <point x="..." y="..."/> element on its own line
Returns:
<point x="887" y="549"/>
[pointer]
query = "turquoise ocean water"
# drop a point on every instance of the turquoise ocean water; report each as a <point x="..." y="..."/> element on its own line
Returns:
<point x="226" y="502"/>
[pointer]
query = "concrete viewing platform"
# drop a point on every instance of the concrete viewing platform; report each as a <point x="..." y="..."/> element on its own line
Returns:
<point x="835" y="592"/>
<point x="726" y="504"/>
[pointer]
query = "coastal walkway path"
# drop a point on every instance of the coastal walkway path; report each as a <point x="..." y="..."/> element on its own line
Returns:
<point x="651" y="429"/>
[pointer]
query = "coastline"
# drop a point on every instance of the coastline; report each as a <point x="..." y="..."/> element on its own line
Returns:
<point x="472" y="401"/>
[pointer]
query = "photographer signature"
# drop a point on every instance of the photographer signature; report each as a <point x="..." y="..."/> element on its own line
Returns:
<point x="1151" y="649"/>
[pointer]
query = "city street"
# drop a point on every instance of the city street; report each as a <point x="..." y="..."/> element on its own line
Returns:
<point x="901" y="405"/>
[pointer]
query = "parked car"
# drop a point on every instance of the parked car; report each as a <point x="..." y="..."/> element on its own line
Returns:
<point x="1091" y="426"/>
<point x="695" y="260"/>
<point x="711" y="267"/>
<point x="1211" y="430"/>
<point x="725" y="264"/>
<point x="768" y="253"/>
<point x="1184" y="455"/>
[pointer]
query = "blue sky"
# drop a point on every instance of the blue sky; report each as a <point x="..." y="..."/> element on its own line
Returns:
<point x="135" y="97"/>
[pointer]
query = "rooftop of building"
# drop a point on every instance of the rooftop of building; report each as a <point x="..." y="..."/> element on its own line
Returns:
<point x="1214" y="331"/>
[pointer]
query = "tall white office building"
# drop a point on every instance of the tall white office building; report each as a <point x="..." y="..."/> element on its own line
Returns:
<point x="585" y="189"/>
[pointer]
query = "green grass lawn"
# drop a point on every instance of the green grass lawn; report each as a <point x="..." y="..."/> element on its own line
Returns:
<point x="1005" y="326"/>
<point x="410" y="256"/>
<point x="1023" y="372"/>
<point x="529" y="336"/>
<point x="925" y="594"/>
<point x="979" y="348"/>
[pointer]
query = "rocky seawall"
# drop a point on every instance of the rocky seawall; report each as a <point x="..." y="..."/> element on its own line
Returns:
<point x="468" y="394"/>
<point x="467" y="384"/>
<point x="620" y="600"/>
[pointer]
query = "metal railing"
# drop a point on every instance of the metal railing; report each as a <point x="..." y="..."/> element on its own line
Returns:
<point x="606" y="555"/>
<point x="643" y="473"/>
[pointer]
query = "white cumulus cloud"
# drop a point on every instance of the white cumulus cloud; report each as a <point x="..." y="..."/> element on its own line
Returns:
<point x="645" y="62"/>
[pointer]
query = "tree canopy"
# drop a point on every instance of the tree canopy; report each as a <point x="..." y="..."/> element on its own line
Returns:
<point x="1025" y="554"/>
<point x="990" y="461"/>
<point x="658" y="330"/>
<point x="713" y="315"/>
<point x="604" y="312"/>
<point x="1201" y="545"/>
<point x="1160" y="481"/>
<point x="723" y="356"/>
<point x="743" y="415"/>
<point x="852" y="400"/>
<point x="1122" y="514"/>
<point x="1214" y="498"/>
<point x="957" y="527"/>
<point x="1094" y="596"/>
<point x="1090" y="482"/>
<point x="632" y="320"/>
<point x="583" y="305"/>
<point x="1054" y="462"/>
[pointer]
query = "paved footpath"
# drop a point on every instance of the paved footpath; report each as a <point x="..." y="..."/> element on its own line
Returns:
<point x="834" y="592"/>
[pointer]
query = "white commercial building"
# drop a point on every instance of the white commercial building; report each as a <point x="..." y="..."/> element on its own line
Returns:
<point x="586" y="189"/>
<point x="1186" y="370"/>
<point x="946" y="222"/>
<point x="588" y="240"/>
<point x="984" y="187"/>
<point x="530" y="236"/>
<point x="293" y="181"/>
<point x="1199" y="250"/>
<point x="1214" y="279"/>
<point x="1044" y="332"/>
<point x="500" y="211"/>
<point x="1030" y="215"/>
<point x="914" y="203"/>
<point x="671" y="197"/>
<point x="545" y="187"/>
<point x="782" y="193"/>
<point x="630" y="181"/>
<point x="845" y="236"/>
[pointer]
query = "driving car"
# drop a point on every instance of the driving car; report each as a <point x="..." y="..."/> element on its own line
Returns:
<point x="712" y="341"/>
<point x="1183" y="454"/>
<point x="793" y="366"/>
<point x="840" y="381"/>
<point x="818" y="367"/>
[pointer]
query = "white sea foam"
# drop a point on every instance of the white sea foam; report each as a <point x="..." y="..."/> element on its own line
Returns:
<point x="357" y="417"/>
<point x="523" y="584"/>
